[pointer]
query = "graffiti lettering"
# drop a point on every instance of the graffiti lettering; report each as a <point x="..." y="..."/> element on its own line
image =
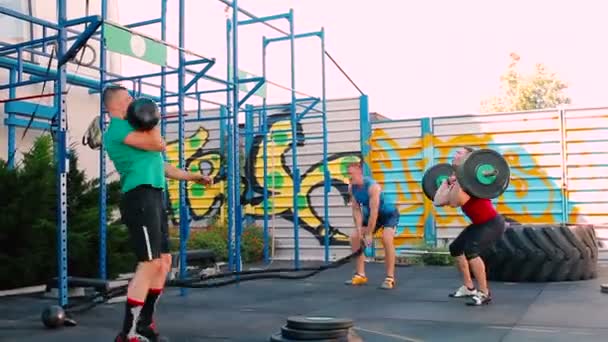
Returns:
<point x="203" y="202"/>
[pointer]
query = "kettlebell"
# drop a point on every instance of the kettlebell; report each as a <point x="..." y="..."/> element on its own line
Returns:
<point x="53" y="316"/>
<point x="143" y="114"/>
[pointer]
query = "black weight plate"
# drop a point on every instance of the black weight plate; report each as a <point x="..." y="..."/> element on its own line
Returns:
<point x="467" y="174"/>
<point x="319" y="323"/>
<point x="278" y="338"/>
<point x="430" y="179"/>
<point x="297" y="334"/>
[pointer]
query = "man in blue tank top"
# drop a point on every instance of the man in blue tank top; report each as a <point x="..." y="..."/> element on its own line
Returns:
<point x="371" y="212"/>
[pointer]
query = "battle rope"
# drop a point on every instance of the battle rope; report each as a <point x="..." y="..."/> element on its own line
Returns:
<point x="91" y="301"/>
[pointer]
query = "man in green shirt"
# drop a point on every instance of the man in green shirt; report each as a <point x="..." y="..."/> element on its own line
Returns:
<point x="137" y="156"/>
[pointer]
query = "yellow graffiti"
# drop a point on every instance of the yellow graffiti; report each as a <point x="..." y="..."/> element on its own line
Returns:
<point x="526" y="177"/>
<point x="280" y="183"/>
<point x="201" y="198"/>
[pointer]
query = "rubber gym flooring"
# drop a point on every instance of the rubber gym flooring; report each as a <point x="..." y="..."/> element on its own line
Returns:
<point x="417" y="310"/>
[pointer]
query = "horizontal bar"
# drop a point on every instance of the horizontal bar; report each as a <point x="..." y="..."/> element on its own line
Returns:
<point x="297" y="36"/>
<point x="24" y="83"/>
<point x="24" y="123"/>
<point x="314" y="117"/>
<point x="29" y="109"/>
<point x="144" y="23"/>
<point x="82" y="20"/>
<point x="199" y="61"/>
<point x="308" y="109"/>
<point x="201" y="92"/>
<point x="79" y="43"/>
<point x="420" y="252"/>
<point x="312" y="137"/>
<point x="137" y="77"/>
<point x="29" y="97"/>
<point x="203" y="119"/>
<point x="28" y="18"/>
<point x="28" y="43"/>
<point x="264" y="19"/>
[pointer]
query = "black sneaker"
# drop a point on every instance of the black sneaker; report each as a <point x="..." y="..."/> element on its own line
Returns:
<point x="479" y="299"/>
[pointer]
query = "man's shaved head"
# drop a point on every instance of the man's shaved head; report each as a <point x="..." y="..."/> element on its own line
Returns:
<point x="116" y="99"/>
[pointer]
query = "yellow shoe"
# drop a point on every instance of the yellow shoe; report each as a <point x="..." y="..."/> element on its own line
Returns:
<point x="389" y="283"/>
<point x="357" y="280"/>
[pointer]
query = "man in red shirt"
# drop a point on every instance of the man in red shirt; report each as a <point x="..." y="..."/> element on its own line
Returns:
<point x="486" y="227"/>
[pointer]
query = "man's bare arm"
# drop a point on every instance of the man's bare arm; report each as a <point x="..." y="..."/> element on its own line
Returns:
<point x="173" y="172"/>
<point x="374" y="206"/>
<point x="148" y="140"/>
<point x="357" y="215"/>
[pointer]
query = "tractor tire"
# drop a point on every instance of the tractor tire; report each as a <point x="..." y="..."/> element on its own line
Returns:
<point x="543" y="253"/>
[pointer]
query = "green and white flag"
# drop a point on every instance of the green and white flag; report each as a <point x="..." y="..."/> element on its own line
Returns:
<point x="124" y="42"/>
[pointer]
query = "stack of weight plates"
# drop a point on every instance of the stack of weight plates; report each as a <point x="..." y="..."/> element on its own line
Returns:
<point x="317" y="329"/>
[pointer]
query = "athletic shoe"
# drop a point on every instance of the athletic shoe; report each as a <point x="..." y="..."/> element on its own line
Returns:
<point x="388" y="283"/>
<point x="357" y="280"/>
<point x="463" y="291"/>
<point x="480" y="299"/>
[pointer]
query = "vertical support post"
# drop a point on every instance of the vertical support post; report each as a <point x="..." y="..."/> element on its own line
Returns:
<point x="249" y="134"/>
<point x="163" y="96"/>
<point x="265" y="131"/>
<point x="230" y="153"/>
<point x="102" y="155"/>
<point x="163" y="69"/>
<point x="428" y="155"/>
<point x="235" y="129"/>
<point x="564" y="165"/>
<point x="184" y="218"/>
<point x="326" y="175"/>
<point x="62" y="160"/>
<point x="294" y="146"/>
<point x="365" y="136"/>
<point x="365" y="133"/>
<point x="223" y="152"/>
<point x="12" y="148"/>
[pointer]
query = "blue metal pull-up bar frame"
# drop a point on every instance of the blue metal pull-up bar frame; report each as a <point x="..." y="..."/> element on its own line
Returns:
<point x="94" y="29"/>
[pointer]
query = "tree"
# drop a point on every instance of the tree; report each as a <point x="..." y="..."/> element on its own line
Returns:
<point x="541" y="89"/>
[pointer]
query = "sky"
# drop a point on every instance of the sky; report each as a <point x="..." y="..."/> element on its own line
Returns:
<point x="412" y="58"/>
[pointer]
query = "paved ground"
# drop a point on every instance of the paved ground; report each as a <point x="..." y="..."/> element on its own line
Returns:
<point x="418" y="310"/>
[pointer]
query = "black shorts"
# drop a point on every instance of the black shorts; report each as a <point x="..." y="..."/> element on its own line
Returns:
<point x="142" y="210"/>
<point x="476" y="238"/>
<point x="385" y="220"/>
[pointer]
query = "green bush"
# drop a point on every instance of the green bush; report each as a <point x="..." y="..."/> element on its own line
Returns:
<point x="28" y="229"/>
<point x="215" y="238"/>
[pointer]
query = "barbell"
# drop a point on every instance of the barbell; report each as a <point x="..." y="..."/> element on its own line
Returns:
<point x="484" y="173"/>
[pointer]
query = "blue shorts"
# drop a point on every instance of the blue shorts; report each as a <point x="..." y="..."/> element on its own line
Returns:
<point x="385" y="220"/>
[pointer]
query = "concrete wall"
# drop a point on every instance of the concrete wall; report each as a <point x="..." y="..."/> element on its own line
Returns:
<point x="532" y="142"/>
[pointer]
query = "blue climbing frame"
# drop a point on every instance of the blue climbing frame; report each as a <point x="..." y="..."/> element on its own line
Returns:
<point x="54" y="118"/>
